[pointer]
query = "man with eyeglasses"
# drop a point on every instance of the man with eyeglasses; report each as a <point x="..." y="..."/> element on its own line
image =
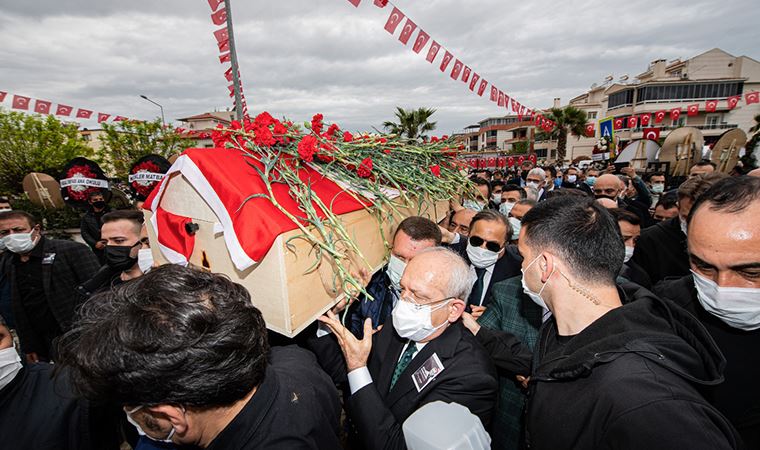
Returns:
<point x="425" y="355"/>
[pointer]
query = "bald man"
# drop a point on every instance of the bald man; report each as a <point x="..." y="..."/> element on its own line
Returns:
<point x="610" y="187"/>
<point x="754" y="173"/>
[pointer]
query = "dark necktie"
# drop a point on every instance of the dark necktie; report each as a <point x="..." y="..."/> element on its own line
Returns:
<point x="402" y="363"/>
<point x="477" y="289"/>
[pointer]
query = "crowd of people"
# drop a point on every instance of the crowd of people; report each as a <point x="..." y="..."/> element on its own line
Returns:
<point x="556" y="307"/>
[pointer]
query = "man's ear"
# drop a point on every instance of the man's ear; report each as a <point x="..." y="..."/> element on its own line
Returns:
<point x="456" y="308"/>
<point x="174" y="414"/>
<point x="546" y="264"/>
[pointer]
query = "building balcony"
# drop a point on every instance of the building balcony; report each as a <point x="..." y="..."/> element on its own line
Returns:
<point x="717" y="126"/>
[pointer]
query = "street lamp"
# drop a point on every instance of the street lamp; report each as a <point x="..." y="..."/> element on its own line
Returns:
<point x="162" y="109"/>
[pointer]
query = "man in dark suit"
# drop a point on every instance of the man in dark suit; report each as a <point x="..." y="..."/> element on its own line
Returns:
<point x="43" y="275"/>
<point x="425" y="356"/>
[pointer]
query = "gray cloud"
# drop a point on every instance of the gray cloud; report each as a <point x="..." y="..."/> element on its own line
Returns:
<point x="300" y="57"/>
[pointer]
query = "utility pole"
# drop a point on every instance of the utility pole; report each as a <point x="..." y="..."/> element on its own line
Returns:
<point x="235" y="67"/>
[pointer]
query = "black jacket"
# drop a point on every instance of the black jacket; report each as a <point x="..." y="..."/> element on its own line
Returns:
<point x="630" y="380"/>
<point x="635" y="274"/>
<point x="38" y="412"/>
<point x="296" y="407"/>
<point x="468" y="378"/>
<point x="661" y="251"/>
<point x="739" y="396"/>
<point x="507" y="266"/>
<point x="378" y="309"/>
<point x="89" y="227"/>
<point x="68" y="264"/>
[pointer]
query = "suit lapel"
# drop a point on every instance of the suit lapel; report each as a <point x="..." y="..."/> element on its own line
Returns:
<point x="393" y="345"/>
<point x="46" y="270"/>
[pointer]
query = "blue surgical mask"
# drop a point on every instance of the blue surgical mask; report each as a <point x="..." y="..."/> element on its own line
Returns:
<point x="572" y="178"/>
<point x="557" y="182"/>
<point x="590" y="180"/>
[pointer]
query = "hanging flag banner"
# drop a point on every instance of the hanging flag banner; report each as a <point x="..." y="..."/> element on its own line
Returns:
<point x="446" y="60"/>
<point x="394" y="19"/>
<point x="407" y="31"/>
<point x="421" y="41"/>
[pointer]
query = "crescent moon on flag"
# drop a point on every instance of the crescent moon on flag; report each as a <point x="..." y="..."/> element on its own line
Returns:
<point x="407" y="29"/>
<point x="419" y="41"/>
<point x="394" y="18"/>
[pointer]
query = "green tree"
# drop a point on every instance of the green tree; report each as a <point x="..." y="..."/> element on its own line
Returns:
<point x="567" y="120"/>
<point x="127" y="141"/>
<point x="411" y="124"/>
<point x="32" y="143"/>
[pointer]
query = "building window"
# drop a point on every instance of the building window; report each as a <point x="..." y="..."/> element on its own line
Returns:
<point x="622" y="98"/>
<point x="712" y="120"/>
<point x="86" y="137"/>
<point x="591" y="114"/>
<point x="691" y="91"/>
<point x="491" y="134"/>
<point x="541" y="153"/>
<point x="679" y="123"/>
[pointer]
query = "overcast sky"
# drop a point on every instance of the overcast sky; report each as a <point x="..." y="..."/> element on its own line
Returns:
<point x="300" y="57"/>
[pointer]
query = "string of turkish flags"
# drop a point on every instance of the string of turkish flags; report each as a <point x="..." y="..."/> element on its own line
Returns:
<point x="222" y="35"/>
<point x="459" y="70"/>
<point x="45" y="107"/>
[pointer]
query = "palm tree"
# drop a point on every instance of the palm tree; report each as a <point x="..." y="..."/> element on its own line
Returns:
<point x="412" y="124"/>
<point x="567" y="119"/>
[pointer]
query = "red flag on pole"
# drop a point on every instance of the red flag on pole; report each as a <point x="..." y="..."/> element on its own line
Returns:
<point x="2" y="95"/>
<point x="632" y="121"/>
<point x="590" y="130"/>
<point x="474" y="81"/>
<point x="228" y="74"/>
<point x="224" y="46"/>
<point x="692" y="110"/>
<point x="652" y="134"/>
<point x="446" y="60"/>
<point x="393" y="20"/>
<point x="501" y="99"/>
<point x="752" y="97"/>
<point x="355" y="2"/>
<point x="675" y="113"/>
<point x="119" y="119"/>
<point x="456" y="70"/>
<point x="732" y="101"/>
<point x="618" y="123"/>
<point x="419" y="43"/>
<point x="466" y="74"/>
<point x="20" y="102"/>
<point x="214" y="4"/>
<point x="84" y="113"/>
<point x="494" y="94"/>
<point x="103" y="117"/>
<point x="711" y="105"/>
<point x="224" y="58"/>
<point x="219" y="17"/>
<point x="433" y="52"/>
<point x="407" y="31"/>
<point x="222" y="35"/>
<point x="659" y="116"/>
<point x="42" y="107"/>
<point x="482" y="87"/>
<point x="645" y="118"/>
<point x="63" y="110"/>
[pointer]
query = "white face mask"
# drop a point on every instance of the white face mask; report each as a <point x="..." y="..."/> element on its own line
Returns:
<point x="506" y="207"/>
<point x="658" y="188"/>
<point x="572" y="178"/>
<point x="145" y="259"/>
<point x="532" y="184"/>
<point x="472" y="204"/>
<point x="5" y="209"/>
<point x="496" y="198"/>
<point x="413" y="321"/>
<point x="516" y="225"/>
<point x="395" y="270"/>
<point x="535" y="296"/>
<point x="20" y="242"/>
<point x="10" y="365"/>
<point x="140" y="430"/>
<point x="481" y="257"/>
<point x="683" y="225"/>
<point x="737" y="307"/>
<point x="628" y="254"/>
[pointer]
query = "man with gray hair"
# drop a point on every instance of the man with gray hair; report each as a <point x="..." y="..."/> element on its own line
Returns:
<point x="425" y="356"/>
<point x="536" y="181"/>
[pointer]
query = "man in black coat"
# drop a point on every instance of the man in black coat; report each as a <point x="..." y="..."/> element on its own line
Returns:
<point x="723" y="293"/>
<point x="185" y="353"/>
<point x="43" y="275"/>
<point x="611" y="369"/>
<point x="92" y="221"/>
<point x="425" y="355"/>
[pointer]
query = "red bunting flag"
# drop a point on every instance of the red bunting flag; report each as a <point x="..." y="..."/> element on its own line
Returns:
<point x="456" y="70"/>
<point x="2" y="95"/>
<point x="692" y="110"/>
<point x="221" y="35"/>
<point x="752" y="97"/>
<point x="83" y="113"/>
<point x="466" y="74"/>
<point x="119" y="119"/>
<point x="474" y="81"/>
<point x="711" y="105"/>
<point x="42" y="107"/>
<point x="224" y="46"/>
<point x="393" y="20"/>
<point x="381" y="3"/>
<point x="433" y="51"/>
<point x="214" y="4"/>
<point x="645" y="118"/>
<point x="228" y="74"/>
<point x="618" y="123"/>
<point x="659" y="116"/>
<point x="407" y="31"/>
<point x="446" y="60"/>
<point x="494" y="94"/>
<point x="355" y="2"/>
<point x="514" y="103"/>
<point x="675" y="113"/>
<point x="224" y="58"/>
<point x="219" y="17"/>
<point x="733" y="101"/>
<point x="632" y="121"/>
<point x="421" y="41"/>
<point x="20" y="102"/>
<point x="103" y="117"/>
<point x="653" y="134"/>
<point x="501" y="99"/>
<point x="506" y="101"/>
<point x="232" y="90"/>
<point x="482" y="87"/>
<point x="590" y="130"/>
<point x="63" y="110"/>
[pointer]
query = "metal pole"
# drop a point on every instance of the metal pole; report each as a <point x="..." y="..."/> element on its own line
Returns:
<point x="235" y="67"/>
<point x="163" y="121"/>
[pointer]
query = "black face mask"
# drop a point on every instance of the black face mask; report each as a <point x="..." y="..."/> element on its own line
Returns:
<point x="606" y="196"/>
<point x="100" y="204"/>
<point x="118" y="257"/>
<point x="524" y="174"/>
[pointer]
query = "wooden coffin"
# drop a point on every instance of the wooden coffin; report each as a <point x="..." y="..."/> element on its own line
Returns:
<point x="289" y="298"/>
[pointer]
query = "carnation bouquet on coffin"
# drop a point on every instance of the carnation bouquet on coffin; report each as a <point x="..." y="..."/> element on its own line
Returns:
<point x="293" y="213"/>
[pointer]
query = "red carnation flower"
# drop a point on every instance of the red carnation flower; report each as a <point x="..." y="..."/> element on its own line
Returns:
<point x="264" y="137"/>
<point x="436" y="170"/>
<point x="347" y="137"/>
<point x="324" y="153"/>
<point x="264" y="120"/>
<point x="365" y="168"/>
<point x="444" y="137"/>
<point x="433" y="140"/>
<point x="316" y="124"/>
<point x="307" y="147"/>
<point x="331" y="130"/>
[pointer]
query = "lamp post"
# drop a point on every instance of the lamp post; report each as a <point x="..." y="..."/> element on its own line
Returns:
<point x="162" y="109"/>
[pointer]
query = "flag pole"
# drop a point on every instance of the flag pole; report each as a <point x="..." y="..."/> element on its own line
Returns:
<point x="234" y="61"/>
